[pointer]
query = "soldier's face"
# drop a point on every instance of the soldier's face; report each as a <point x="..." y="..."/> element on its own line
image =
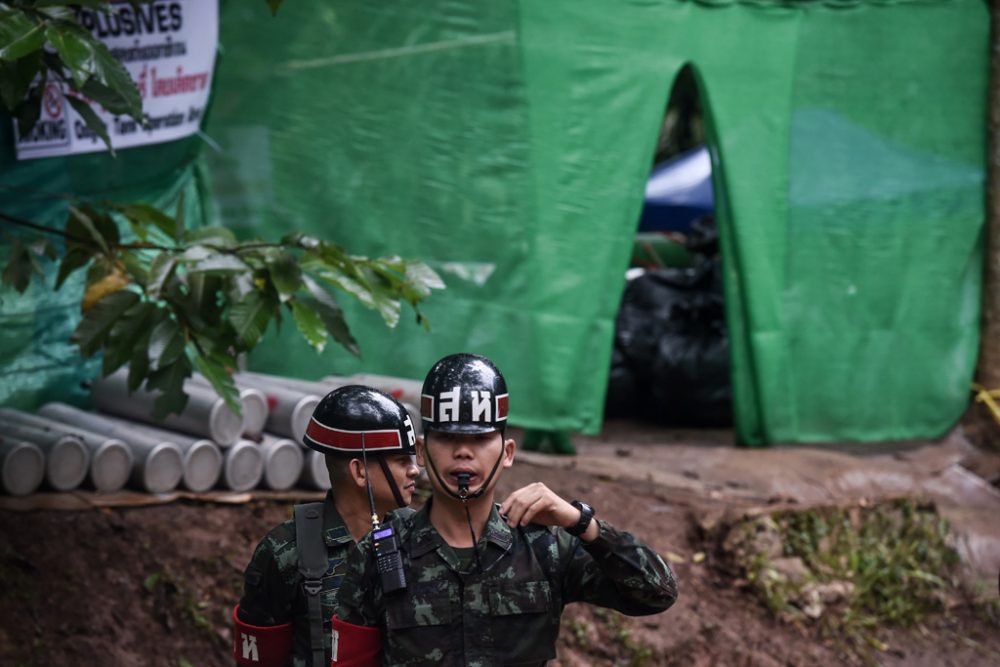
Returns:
<point x="472" y="453"/>
<point x="404" y="472"/>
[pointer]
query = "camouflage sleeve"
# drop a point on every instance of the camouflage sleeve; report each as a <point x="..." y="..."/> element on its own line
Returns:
<point x="618" y="571"/>
<point x="360" y="597"/>
<point x="268" y="582"/>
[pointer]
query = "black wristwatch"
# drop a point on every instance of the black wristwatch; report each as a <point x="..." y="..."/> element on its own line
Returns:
<point x="586" y="514"/>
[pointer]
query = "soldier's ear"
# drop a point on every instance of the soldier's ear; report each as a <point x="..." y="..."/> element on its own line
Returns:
<point x="509" y="448"/>
<point x="419" y="445"/>
<point x="356" y="469"/>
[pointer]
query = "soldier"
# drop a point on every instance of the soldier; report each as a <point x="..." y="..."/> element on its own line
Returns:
<point x="483" y="583"/>
<point x="290" y="585"/>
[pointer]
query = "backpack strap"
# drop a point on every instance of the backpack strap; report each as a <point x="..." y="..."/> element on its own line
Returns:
<point x="313" y="564"/>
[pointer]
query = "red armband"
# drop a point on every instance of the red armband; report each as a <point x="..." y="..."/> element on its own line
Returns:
<point x="355" y="645"/>
<point x="255" y="646"/>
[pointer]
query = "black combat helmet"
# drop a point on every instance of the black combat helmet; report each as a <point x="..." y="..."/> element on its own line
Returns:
<point x="348" y="413"/>
<point x="464" y="393"/>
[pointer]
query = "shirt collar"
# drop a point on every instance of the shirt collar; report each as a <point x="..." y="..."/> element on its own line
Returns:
<point x="334" y="529"/>
<point x="424" y="537"/>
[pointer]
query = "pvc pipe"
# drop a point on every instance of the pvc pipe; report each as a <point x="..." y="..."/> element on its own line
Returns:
<point x="317" y="387"/>
<point x="205" y="414"/>
<point x="290" y="409"/>
<point x="254" y="406"/>
<point x="66" y="457"/>
<point x="111" y="460"/>
<point x="202" y="457"/>
<point x="283" y="461"/>
<point x="159" y="463"/>
<point x="314" y="472"/>
<point x="22" y="466"/>
<point x="243" y="466"/>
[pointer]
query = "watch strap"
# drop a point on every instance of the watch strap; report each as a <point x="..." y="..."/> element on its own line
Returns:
<point x="586" y="516"/>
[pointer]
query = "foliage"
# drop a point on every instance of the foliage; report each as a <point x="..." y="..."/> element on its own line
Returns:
<point x="43" y="45"/>
<point x="170" y="300"/>
<point x="864" y="568"/>
<point x="173" y="300"/>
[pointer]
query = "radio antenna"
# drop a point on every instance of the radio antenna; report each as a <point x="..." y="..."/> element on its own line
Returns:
<point x="368" y="483"/>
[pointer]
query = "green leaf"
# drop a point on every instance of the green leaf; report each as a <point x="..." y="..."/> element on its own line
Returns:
<point x="249" y="318"/>
<point x="97" y="321"/>
<point x="107" y="97"/>
<point x="92" y="120"/>
<point x="79" y="218"/>
<point x="333" y="317"/>
<point x="221" y="380"/>
<point x="146" y="215"/>
<point x="169" y="380"/>
<point x="43" y="247"/>
<point x="19" y="35"/>
<point x="179" y="221"/>
<point x="166" y="344"/>
<point x="160" y="270"/>
<point x="136" y="265"/>
<point x="18" y="271"/>
<point x="28" y="111"/>
<point x="75" y="258"/>
<point x="16" y="78"/>
<point x="75" y="47"/>
<point x="285" y="274"/>
<point x="219" y="264"/>
<point x="138" y="365"/>
<point x="310" y="323"/>
<point x="120" y="344"/>
<point x="86" y="57"/>
<point x="218" y="236"/>
<point x="424" y="277"/>
<point x="203" y="293"/>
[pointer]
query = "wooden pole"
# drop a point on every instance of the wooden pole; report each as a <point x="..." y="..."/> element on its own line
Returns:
<point x="988" y="367"/>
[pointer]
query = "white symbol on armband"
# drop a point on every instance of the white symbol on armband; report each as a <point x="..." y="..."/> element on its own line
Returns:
<point x="250" y="647"/>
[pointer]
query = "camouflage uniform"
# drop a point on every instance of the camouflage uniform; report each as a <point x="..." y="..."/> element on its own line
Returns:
<point x="272" y="586"/>
<point x="508" y="614"/>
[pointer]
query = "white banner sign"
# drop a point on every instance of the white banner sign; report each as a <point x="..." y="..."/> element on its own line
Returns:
<point x="168" y="47"/>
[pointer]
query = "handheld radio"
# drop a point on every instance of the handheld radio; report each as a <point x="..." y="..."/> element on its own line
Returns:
<point x="388" y="560"/>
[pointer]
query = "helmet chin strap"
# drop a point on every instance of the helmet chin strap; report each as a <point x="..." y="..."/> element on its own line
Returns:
<point x="465" y="497"/>
<point x="392" y="482"/>
<point x="463" y="490"/>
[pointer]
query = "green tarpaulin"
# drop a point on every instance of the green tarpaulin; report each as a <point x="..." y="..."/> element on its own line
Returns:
<point x="508" y="143"/>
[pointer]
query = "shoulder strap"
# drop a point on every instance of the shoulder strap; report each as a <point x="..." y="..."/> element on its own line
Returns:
<point x="313" y="564"/>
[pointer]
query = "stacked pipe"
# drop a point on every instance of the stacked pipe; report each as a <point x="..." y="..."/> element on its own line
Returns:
<point x="159" y="462"/>
<point x="206" y="446"/>
<point x="110" y="460"/>
<point x="205" y="414"/>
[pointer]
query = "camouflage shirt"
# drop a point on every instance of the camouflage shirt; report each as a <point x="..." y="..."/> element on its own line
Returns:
<point x="272" y="586"/>
<point x="508" y="613"/>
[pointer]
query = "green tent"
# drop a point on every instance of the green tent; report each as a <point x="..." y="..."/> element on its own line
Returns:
<point x="508" y="144"/>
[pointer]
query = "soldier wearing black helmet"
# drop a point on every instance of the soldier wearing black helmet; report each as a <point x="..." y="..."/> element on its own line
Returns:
<point x="290" y="584"/>
<point x="485" y="583"/>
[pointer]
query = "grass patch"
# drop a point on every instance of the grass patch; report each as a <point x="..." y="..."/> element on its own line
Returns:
<point x="851" y="571"/>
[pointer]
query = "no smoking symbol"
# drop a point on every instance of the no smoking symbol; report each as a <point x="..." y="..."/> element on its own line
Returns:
<point x="52" y="99"/>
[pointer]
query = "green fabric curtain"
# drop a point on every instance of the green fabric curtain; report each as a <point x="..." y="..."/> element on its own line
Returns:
<point x="508" y="143"/>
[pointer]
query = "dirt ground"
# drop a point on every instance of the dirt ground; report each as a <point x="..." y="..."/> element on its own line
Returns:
<point x="154" y="585"/>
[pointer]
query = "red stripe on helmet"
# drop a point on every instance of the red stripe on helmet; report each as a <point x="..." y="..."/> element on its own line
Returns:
<point x="336" y="438"/>
<point x="427" y="407"/>
<point x="501" y="407"/>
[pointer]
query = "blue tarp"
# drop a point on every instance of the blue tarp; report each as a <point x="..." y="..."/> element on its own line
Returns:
<point x="678" y="192"/>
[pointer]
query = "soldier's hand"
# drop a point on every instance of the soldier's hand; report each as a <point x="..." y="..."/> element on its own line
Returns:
<point x="537" y="503"/>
